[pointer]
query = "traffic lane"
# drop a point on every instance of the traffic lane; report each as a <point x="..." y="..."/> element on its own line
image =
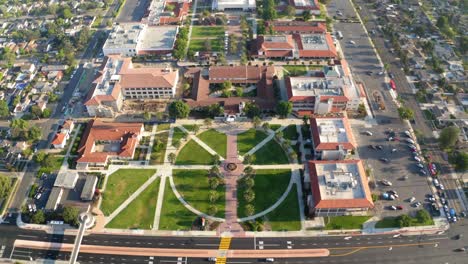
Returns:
<point x="151" y="242"/>
<point x="343" y="6"/>
<point x="133" y="11"/>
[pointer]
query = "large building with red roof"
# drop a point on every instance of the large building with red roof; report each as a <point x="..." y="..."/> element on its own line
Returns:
<point x="330" y="90"/>
<point x="102" y="142"/>
<point x="294" y="46"/>
<point x="332" y="137"/>
<point x="119" y="79"/>
<point x="338" y="188"/>
<point x="291" y="27"/>
<point x="248" y="77"/>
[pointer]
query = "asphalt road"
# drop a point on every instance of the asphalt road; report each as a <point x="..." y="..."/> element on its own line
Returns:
<point x="365" y="249"/>
<point x="420" y="123"/>
<point x="133" y="11"/>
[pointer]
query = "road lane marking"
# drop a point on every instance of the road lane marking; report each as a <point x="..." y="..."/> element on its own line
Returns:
<point x="28" y="236"/>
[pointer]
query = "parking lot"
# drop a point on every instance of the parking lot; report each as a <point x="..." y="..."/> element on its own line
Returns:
<point x="401" y="168"/>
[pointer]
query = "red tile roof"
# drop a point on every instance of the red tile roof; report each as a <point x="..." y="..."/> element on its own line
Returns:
<point x="125" y="133"/>
<point x="289" y="27"/>
<point x="318" y="145"/>
<point x="318" y="202"/>
<point x="59" y="139"/>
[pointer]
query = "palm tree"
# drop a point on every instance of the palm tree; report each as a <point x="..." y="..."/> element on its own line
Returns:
<point x="216" y="160"/>
<point x="249" y="171"/>
<point x="266" y="126"/>
<point x="305" y="119"/>
<point x="214" y="182"/>
<point x="212" y="209"/>
<point x="249" y="195"/>
<point x="256" y="121"/>
<point x="249" y="182"/>
<point x="196" y="128"/>
<point x="248" y="159"/>
<point x="249" y="209"/>
<point x="214" y="171"/>
<point x="171" y="157"/>
<point x="213" y="196"/>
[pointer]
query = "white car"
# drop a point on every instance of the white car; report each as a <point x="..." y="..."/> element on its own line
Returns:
<point x="412" y="199"/>
<point x="352" y="42"/>
<point x="407" y="133"/>
<point x="420" y="165"/>
<point x="417" y="204"/>
<point x="416" y="158"/>
<point x="367" y="133"/>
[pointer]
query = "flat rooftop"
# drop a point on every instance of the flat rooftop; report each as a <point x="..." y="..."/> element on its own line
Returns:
<point x="339" y="181"/>
<point x="124" y="36"/>
<point x="109" y="77"/>
<point x="332" y="130"/>
<point x="275" y="38"/>
<point x="315" y="86"/>
<point x="314" y="42"/>
<point x="155" y="9"/>
<point x="158" y="38"/>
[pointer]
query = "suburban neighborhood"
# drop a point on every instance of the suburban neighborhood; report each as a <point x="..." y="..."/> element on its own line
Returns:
<point x="195" y="131"/>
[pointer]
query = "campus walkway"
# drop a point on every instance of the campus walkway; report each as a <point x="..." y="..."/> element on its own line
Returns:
<point x="231" y="226"/>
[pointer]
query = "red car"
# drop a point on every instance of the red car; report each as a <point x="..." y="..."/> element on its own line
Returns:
<point x="399" y="207"/>
<point x="392" y="85"/>
<point x="432" y="168"/>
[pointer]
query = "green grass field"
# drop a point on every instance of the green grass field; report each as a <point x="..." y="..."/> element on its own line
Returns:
<point x="199" y="45"/>
<point x="286" y="217"/>
<point x="193" y="154"/>
<point x="207" y="32"/>
<point x="177" y="135"/>
<point x="120" y="185"/>
<point x="345" y="222"/>
<point x="249" y="139"/>
<point x="269" y="186"/>
<point x="174" y="215"/>
<point x="216" y="140"/>
<point x="139" y="214"/>
<point x="390" y="222"/>
<point x="194" y="187"/>
<point x="270" y="153"/>
<point x="162" y="127"/>
<point x="290" y="132"/>
<point x="275" y="127"/>
<point x="157" y="155"/>
<point x="295" y="70"/>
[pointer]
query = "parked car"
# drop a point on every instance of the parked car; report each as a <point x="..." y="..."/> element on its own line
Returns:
<point x="412" y="199"/>
<point x="420" y="165"/>
<point x="392" y="207"/>
<point x="386" y="183"/>
<point x="367" y="133"/>
<point x="384" y="160"/>
<point x="399" y="207"/>
<point x="416" y="158"/>
<point x="409" y="141"/>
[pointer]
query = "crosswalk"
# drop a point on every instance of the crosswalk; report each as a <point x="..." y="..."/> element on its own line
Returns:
<point x="224" y="245"/>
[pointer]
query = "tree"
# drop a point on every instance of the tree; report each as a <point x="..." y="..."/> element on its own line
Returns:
<point x="227" y="85"/>
<point x="284" y="109"/>
<point x="460" y="160"/>
<point x="403" y="221"/>
<point x="293" y="156"/>
<point x="290" y="11"/>
<point x="208" y="122"/>
<point x="449" y="136"/>
<point x="306" y="15"/>
<point x="251" y="110"/>
<point x="4" y="110"/>
<point x="249" y="195"/>
<point x="147" y="115"/>
<point x="249" y="171"/>
<point x="213" y="182"/>
<point x="249" y="209"/>
<point x="171" y="157"/>
<point x="35" y="133"/>
<point x="214" y="171"/>
<point x="248" y="159"/>
<point x="239" y="92"/>
<point x="269" y="10"/>
<point x="212" y="209"/>
<point x="216" y="159"/>
<point x="66" y="13"/>
<point x="249" y="182"/>
<point x="38" y="217"/>
<point x="423" y="216"/>
<point x="215" y="110"/>
<point x="213" y="196"/>
<point x="36" y="111"/>
<point x="46" y="113"/>
<point x="196" y="128"/>
<point x="70" y="215"/>
<point x="405" y="113"/>
<point x="40" y="156"/>
<point x="5" y="186"/>
<point x="256" y="121"/>
<point x="179" y="109"/>
<point x="305" y="119"/>
<point x="266" y="126"/>
<point x="279" y="135"/>
<point x="176" y="144"/>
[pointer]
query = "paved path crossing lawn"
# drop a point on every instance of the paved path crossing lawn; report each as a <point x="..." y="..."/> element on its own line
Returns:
<point x="193" y="154"/>
<point x="286" y="217"/>
<point x="193" y="186"/>
<point x="178" y="134"/>
<point x="139" y="214"/>
<point x="216" y="140"/>
<point x="271" y="153"/>
<point x="249" y="139"/>
<point x="268" y="188"/>
<point x="120" y="185"/>
<point x="174" y="215"/>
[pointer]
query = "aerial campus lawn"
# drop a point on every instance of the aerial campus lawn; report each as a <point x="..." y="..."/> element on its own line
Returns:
<point x="286" y="217"/>
<point x="389" y="222"/>
<point x="194" y="154"/>
<point x="268" y="188"/>
<point x="345" y="222"/>
<point x="249" y="139"/>
<point x="120" y="185"/>
<point x="177" y="135"/>
<point x="207" y="32"/>
<point x="295" y="70"/>
<point x="174" y="215"/>
<point x="193" y="186"/>
<point x="159" y="148"/>
<point x="271" y="153"/>
<point x="162" y="127"/>
<point x="275" y="127"/>
<point x="216" y="44"/>
<point x="139" y="214"/>
<point x="216" y="140"/>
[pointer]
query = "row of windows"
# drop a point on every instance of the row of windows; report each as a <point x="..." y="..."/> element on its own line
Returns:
<point x="148" y="88"/>
<point x="157" y="92"/>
